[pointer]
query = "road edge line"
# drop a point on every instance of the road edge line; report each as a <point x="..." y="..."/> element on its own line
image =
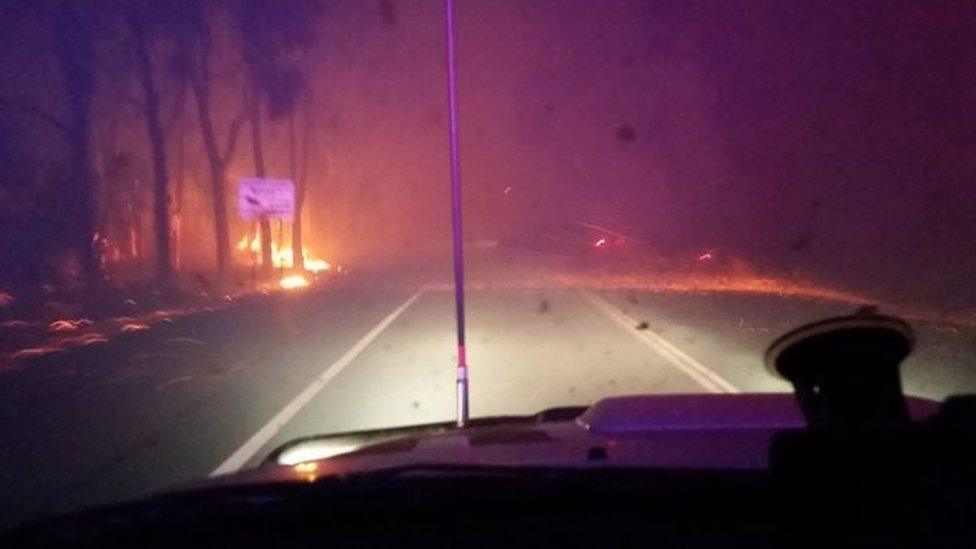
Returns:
<point x="705" y="376"/>
<point x="270" y="429"/>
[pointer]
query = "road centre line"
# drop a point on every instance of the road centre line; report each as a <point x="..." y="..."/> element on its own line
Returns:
<point x="266" y="433"/>
<point x="705" y="376"/>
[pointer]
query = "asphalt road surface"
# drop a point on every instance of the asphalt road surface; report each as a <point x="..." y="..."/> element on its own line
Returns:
<point x="218" y="391"/>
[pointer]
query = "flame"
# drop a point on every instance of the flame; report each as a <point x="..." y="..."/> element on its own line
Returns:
<point x="292" y="282"/>
<point x="281" y="257"/>
<point x="308" y="470"/>
<point x="306" y="467"/>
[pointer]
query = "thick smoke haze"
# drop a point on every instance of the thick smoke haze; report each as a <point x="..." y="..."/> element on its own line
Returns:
<point x="829" y="139"/>
<point x="832" y="140"/>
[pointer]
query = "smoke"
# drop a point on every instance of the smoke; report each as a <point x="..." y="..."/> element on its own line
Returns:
<point x="828" y="141"/>
<point x="804" y="138"/>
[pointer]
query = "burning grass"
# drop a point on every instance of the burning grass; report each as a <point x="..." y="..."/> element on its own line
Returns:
<point x="282" y="257"/>
<point x="294" y="282"/>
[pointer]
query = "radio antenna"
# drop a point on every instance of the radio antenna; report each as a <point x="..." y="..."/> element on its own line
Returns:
<point x="462" y="363"/>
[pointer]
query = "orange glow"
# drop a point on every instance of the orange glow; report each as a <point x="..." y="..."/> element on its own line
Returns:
<point x="36" y="352"/>
<point x="68" y="325"/>
<point x="308" y="469"/>
<point x="735" y="279"/>
<point x="84" y="340"/>
<point x="292" y="282"/>
<point x="312" y="264"/>
<point x="281" y="257"/>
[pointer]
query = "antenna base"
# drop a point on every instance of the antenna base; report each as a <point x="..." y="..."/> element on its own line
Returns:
<point x="462" y="401"/>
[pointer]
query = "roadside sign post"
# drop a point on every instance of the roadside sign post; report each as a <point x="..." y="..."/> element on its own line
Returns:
<point x="281" y="240"/>
<point x="254" y="260"/>
<point x="263" y="199"/>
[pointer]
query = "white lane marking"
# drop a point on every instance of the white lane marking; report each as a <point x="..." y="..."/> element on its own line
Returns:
<point x="678" y="358"/>
<point x="265" y="434"/>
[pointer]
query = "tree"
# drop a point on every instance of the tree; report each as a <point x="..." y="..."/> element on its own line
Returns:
<point x="299" y="174"/>
<point x="136" y="15"/>
<point x="254" y="116"/>
<point x="123" y="199"/>
<point x="250" y="27"/>
<point x="192" y="63"/>
<point x="71" y="28"/>
<point x="269" y="32"/>
<point x="297" y="255"/>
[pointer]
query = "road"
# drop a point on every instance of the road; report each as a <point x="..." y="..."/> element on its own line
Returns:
<point x="220" y="390"/>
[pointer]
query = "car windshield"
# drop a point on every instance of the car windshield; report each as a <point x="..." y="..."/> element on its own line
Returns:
<point x="227" y="225"/>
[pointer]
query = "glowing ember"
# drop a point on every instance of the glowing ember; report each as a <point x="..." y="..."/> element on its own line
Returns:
<point x="308" y="470"/>
<point x="281" y="257"/>
<point x="17" y="324"/>
<point x="36" y="352"/>
<point x="293" y="282"/>
<point x="67" y="325"/>
<point x="307" y="467"/>
<point x="314" y="265"/>
<point x="705" y="256"/>
<point x="84" y="340"/>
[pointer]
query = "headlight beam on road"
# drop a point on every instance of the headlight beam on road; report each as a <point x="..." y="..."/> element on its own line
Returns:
<point x="257" y="441"/>
<point x="697" y="371"/>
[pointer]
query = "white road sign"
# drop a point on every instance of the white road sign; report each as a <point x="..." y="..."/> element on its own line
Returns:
<point x="266" y="198"/>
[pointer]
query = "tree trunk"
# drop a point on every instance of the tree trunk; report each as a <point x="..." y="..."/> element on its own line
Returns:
<point x="216" y="166"/>
<point x="180" y="180"/>
<point x="157" y="142"/>
<point x="254" y="109"/>
<point x="75" y="52"/>
<point x="297" y="249"/>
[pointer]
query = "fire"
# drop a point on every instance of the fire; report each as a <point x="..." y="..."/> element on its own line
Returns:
<point x="308" y="469"/>
<point x="312" y="264"/>
<point x="292" y="282"/>
<point x="281" y="257"/>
